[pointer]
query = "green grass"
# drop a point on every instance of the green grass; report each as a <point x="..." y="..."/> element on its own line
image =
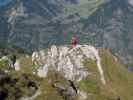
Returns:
<point x="89" y="85"/>
<point x="4" y="65"/>
<point x="27" y="66"/>
<point x="15" y="84"/>
<point x="119" y="79"/>
<point x="90" y="63"/>
<point x="48" y="92"/>
<point x="92" y="88"/>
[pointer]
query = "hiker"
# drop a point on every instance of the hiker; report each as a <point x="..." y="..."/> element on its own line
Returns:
<point x="73" y="41"/>
<point x="13" y="60"/>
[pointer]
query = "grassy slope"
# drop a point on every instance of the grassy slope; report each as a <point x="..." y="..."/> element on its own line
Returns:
<point x="119" y="80"/>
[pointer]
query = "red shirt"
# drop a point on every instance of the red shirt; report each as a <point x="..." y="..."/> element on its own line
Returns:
<point x="74" y="42"/>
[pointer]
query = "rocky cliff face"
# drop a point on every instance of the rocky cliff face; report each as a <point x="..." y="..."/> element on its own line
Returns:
<point x="68" y="61"/>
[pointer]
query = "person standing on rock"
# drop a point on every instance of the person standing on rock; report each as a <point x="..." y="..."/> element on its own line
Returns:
<point x="74" y="41"/>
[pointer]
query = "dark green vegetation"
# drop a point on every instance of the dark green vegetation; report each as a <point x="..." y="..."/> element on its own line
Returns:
<point x="16" y="84"/>
<point x="13" y="87"/>
<point x="51" y="92"/>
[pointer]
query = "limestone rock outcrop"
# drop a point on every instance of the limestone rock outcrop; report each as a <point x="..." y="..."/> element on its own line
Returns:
<point x="68" y="61"/>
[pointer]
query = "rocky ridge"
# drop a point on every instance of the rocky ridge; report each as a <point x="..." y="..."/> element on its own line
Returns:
<point x="68" y="61"/>
<point x="66" y="73"/>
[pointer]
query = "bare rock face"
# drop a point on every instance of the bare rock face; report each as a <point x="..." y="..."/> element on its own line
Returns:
<point x="68" y="61"/>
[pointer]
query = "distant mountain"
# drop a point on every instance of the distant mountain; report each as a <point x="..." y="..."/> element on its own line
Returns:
<point x="113" y="23"/>
<point x="36" y="24"/>
<point x="4" y="2"/>
<point x="33" y="25"/>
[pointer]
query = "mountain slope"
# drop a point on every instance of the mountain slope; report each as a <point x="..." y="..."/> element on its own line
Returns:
<point x="33" y="25"/>
<point x="111" y="26"/>
<point x="59" y="83"/>
<point x="119" y="80"/>
<point x="33" y="22"/>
